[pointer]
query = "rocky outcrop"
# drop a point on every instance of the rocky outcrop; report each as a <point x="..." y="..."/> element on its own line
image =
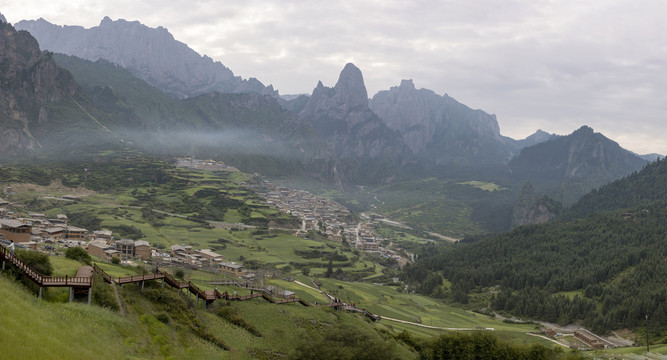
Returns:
<point x="152" y="54"/>
<point x="529" y="209"/>
<point x="366" y="148"/>
<point x="574" y="164"/>
<point x="440" y="129"/>
<point x="29" y="81"/>
<point x="538" y="137"/>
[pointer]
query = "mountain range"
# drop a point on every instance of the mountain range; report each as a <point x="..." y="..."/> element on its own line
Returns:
<point x="157" y="94"/>
<point x="151" y="54"/>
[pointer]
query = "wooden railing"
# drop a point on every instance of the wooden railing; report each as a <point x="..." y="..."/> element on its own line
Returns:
<point x="102" y="273"/>
<point x="138" y="278"/>
<point x="41" y="280"/>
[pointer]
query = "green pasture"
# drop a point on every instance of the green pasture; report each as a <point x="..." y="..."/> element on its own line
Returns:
<point x="387" y="301"/>
<point x="657" y="351"/>
<point x="486" y="186"/>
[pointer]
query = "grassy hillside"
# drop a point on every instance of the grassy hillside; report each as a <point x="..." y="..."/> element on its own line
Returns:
<point x="34" y="329"/>
<point x="447" y="206"/>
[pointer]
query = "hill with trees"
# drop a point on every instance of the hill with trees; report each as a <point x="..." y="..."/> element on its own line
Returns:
<point x="612" y="260"/>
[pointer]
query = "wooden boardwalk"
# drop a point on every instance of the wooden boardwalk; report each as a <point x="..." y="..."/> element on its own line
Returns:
<point x="85" y="274"/>
<point x="83" y="278"/>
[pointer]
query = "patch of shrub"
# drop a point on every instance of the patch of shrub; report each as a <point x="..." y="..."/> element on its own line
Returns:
<point x="178" y="309"/>
<point x="228" y="313"/>
<point x="103" y="294"/>
<point x="36" y="260"/>
<point x="79" y="254"/>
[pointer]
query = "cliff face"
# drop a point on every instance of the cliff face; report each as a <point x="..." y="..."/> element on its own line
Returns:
<point x="29" y="80"/>
<point x="440" y="129"/>
<point x="366" y="148"/>
<point x="529" y="209"/>
<point x="153" y="55"/>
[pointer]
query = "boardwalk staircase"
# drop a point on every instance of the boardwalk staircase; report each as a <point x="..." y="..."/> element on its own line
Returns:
<point x="82" y="281"/>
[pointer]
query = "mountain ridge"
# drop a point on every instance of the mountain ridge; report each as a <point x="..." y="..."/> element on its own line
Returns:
<point x="574" y="164"/>
<point x="152" y="54"/>
<point x="365" y="146"/>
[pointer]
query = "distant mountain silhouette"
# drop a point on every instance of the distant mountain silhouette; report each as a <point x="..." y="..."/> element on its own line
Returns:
<point x="575" y="164"/>
<point x="151" y="54"/>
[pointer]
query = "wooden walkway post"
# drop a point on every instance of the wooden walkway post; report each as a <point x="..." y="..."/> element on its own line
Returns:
<point x="90" y="293"/>
<point x="40" y="292"/>
<point x="71" y="294"/>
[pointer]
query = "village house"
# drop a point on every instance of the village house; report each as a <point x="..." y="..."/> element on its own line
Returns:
<point x="75" y="233"/>
<point x="125" y="247"/>
<point x="54" y="233"/>
<point x="589" y="339"/>
<point x="209" y="256"/>
<point x="105" y="235"/>
<point x="180" y="250"/>
<point x="232" y="268"/>
<point x="142" y="249"/>
<point x="60" y="219"/>
<point x="14" y="230"/>
<point x="102" y="250"/>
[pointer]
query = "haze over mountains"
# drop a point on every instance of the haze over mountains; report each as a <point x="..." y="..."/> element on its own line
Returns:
<point x="180" y="101"/>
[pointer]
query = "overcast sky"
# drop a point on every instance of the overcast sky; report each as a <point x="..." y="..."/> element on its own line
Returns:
<point x="536" y="64"/>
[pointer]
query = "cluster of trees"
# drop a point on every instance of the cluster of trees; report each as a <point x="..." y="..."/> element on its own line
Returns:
<point x="636" y="190"/>
<point x="342" y="341"/>
<point x="606" y="257"/>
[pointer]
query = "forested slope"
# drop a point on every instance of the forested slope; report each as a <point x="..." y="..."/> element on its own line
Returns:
<point x="637" y="189"/>
<point x="615" y="261"/>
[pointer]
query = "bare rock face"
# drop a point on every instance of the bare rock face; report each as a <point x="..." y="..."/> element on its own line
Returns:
<point x="366" y="147"/>
<point x="151" y="54"/>
<point x="529" y="209"/>
<point x="440" y="129"/>
<point x="29" y="80"/>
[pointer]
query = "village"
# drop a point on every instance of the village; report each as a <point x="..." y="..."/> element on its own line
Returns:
<point x="328" y="217"/>
<point x="37" y="232"/>
<point x="316" y="213"/>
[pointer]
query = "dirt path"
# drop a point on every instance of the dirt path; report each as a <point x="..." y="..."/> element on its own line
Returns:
<point x="428" y="326"/>
<point x="443" y="237"/>
<point x="120" y="304"/>
<point x="550" y="339"/>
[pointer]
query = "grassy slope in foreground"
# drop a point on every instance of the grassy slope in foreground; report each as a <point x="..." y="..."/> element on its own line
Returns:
<point x="33" y="329"/>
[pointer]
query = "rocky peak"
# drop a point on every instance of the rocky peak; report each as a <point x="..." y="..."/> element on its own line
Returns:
<point x="538" y="137"/>
<point x="151" y="54"/>
<point x="350" y="88"/>
<point x="439" y="128"/>
<point x="407" y="85"/>
<point x="2" y="18"/>
<point x="342" y="118"/>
